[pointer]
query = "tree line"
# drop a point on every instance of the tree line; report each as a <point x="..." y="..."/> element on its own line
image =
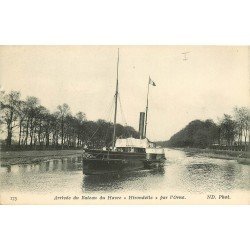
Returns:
<point x="28" y="124"/>
<point x="230" y="132"/>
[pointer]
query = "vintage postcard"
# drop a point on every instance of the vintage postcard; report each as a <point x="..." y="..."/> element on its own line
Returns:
<point x="125" y="125"/>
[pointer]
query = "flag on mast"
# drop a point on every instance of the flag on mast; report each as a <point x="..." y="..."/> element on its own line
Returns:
<point x="151" y="82"/>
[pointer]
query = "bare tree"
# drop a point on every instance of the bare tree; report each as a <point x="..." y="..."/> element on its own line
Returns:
<point x="64" y="111"/>
<point x="228" y="127"/>
<point x="10" y="106"/>
<point x="31" y="109"/>
<point x="37" y="126"/>
<point x="242" y="117"/>
<point x="42" y="113"/>
<point x="1" y="110"/>
<point x="246" y="126"/>
<point x="22" y="115"/>
<point x="80" y="118"/>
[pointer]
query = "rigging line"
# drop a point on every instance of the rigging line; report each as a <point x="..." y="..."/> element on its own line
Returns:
<point x="111" y="142"/>
<point x="122" y="113"/>
<point x="109" y="122"/>
<point x="109" y="109"/>
<point x="110" y="112"/>
<point x="108" y="149"/>
<point x="123" y="117"/>
<point x="126" y="125"/>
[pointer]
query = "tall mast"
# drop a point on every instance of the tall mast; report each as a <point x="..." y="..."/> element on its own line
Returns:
<point x="116" y="95"/>
<point x="146" y="115"/>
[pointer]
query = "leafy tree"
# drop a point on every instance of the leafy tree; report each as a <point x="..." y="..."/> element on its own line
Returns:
<point x="196" y="134"/>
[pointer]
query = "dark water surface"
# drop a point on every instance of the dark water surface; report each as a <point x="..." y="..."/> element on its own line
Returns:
<point x="181" y="173"/>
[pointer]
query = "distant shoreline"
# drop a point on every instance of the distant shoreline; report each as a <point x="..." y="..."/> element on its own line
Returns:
<point x="8" y="158"/>
<point x="241" y="157"/>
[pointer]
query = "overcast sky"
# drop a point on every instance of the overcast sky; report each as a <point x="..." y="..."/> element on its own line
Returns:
<point x="210" y="83"/>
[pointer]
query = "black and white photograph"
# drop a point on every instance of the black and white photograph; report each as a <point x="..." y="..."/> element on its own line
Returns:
<point x="124" y="124"/>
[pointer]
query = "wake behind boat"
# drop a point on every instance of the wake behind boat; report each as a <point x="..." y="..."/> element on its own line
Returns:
<point x="126" y="154"/>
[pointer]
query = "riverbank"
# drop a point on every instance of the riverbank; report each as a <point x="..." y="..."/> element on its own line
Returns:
<point x="240" y="156"/>
<point x="8" y="158"/>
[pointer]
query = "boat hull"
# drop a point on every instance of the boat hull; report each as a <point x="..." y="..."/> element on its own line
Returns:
<point x="103" y="162"/>
<point x="97" y="166"/>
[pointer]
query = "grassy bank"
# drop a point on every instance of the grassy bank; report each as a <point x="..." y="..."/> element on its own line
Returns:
<point x="26" y="157"/>
<point x="241" y="156"/>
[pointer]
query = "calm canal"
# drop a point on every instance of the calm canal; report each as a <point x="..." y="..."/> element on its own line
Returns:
<point x="181" y="173"/>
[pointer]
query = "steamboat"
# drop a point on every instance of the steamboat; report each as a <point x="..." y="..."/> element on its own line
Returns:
<point x="126" y="154"/>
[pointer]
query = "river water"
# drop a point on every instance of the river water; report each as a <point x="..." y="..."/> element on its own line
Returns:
<point x="181" y="173"/>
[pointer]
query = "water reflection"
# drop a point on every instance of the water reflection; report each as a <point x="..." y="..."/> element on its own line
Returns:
<point x="65" y="164"/>
<point x="182" y="173"/>
<point x="117" y="182"/>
